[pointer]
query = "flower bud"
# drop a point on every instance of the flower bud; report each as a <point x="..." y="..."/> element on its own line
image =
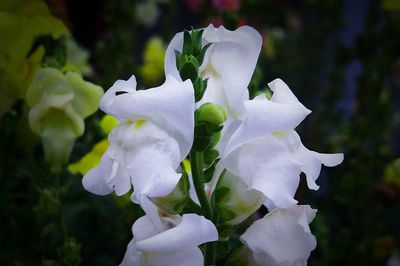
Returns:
<point x="234" y="200"/>
<point x="212" y="114"/>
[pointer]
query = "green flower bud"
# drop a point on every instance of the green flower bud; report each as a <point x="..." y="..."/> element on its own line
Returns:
<point x="175" y="202"/>
<point x="211" y="113"/>
<point x="59" y="103"/>
<point x="234" y="200"/>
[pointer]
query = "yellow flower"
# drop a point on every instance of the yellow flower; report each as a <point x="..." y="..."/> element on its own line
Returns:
<point x="58" y="105"/>
<point x="21" y="22"/>
<point x="152" y="70"/>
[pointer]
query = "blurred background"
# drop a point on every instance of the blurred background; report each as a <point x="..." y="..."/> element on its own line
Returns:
<point x="340" y="57"/>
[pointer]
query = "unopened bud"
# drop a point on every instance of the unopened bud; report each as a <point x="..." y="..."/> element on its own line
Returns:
<point x="234" y="200"/>
<point x="212" y="114"/>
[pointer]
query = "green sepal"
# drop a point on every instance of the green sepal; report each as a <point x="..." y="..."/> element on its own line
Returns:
<point x="210" y="157"/>
<point x="202" y="53"/>
<point x="199" y="86"/>
<point x="187" y="43"/>
<point x="189" y="68"/>
<point x="196" y="41"/>
<point x="215" y="138"/>
<point x="225" y="230"/>
<point x="240" y="257"/>
<point x="268" y="93"/>
<point x="178" y="56"/>
<point x="175" y="202"/>
<point x="221" y="250"/>
<point x="209" y="172"/>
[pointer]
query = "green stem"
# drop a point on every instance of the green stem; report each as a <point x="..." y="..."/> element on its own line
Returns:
<point x="58" y="189"/>
<point x="209" y="253"/>
<point x="196" y="161"/>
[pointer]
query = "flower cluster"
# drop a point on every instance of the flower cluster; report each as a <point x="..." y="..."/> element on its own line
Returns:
<point x="202" y="157"/>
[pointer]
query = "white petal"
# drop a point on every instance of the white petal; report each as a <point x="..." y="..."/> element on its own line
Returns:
<point x="192" y="190"/>
<point x="170" y="60"/>
<point x="191" y="256"/>
<point x="233" y="58"/>
<point x="94" y="180"/>
<point x="119" y="87"/>
<point x="229" y="64"/>
<point x="264" y="116"/>
<point x="143" y="228"/>
<point x="265" y="165"/>
<point x="282" y="237"/>
<point x="170" y="106"/>
<point x="310" y="161"/>
<point x="152" y="173"/>
<point x="184" y="257"/>
<point x="191" y="232"/>
<point x="153" y="220"/>
<point x="152" y="160"/>
<point x="272" y="164"/>
<point x="139" y="153"/>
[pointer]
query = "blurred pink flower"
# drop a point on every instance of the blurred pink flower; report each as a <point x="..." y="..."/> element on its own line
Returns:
<point x="226" y="5"/>
<point x="194" y="5"/>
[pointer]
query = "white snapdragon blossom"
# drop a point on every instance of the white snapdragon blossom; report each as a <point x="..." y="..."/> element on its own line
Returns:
<point x="154" y="136"/>
<point x="267" y="153"/>
<point x="282" y="237"/>
<point x="228" y="64"/>
<point x="160" y="240"/>
<point x="258" y="142"/>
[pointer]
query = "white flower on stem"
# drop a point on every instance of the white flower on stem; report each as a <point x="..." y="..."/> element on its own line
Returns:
<point x="154" y="136"/>
<point x="168" y="240"/>
<point x="282" y="237"/>
<point x="228" y="64"/>
<point x="265" y="151"/>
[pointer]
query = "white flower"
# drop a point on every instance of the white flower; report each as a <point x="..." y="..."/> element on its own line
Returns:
<point x="265" y="151"/>
<point x="282" y="237"/>
<point x="169" y="240"/>
<point x="155" y="135"/>
<point x="228" y="64"/>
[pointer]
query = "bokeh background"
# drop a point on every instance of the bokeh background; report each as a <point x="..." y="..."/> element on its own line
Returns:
<point x="340" y="57"/>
